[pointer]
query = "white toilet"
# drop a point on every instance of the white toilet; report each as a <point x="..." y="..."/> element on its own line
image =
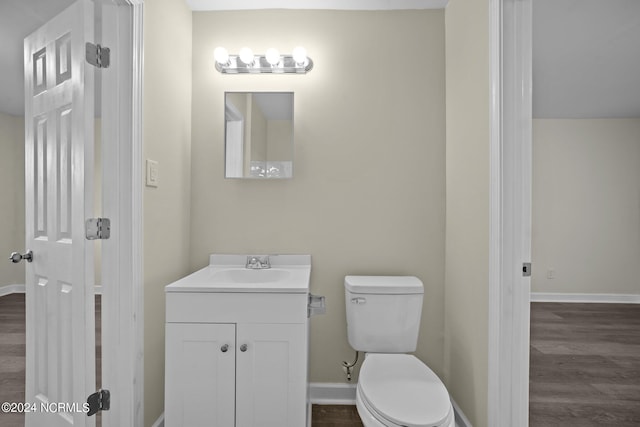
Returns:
<point x="395" y="389"/>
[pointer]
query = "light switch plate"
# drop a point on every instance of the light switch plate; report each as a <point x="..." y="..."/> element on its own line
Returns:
<point x="152" y="173"/>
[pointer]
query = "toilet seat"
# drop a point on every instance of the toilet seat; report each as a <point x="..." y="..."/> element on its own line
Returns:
<point x="400" y="390"/>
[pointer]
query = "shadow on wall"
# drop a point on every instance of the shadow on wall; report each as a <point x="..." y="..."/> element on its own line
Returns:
<point x="12" y="229"/>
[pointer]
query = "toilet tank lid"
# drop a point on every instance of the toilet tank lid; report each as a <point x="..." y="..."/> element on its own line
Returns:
<point x="399" y="285"/>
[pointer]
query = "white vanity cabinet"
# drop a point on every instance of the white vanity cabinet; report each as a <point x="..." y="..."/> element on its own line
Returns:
<point x="200" y="379"/>
<point x="235" y="359"/>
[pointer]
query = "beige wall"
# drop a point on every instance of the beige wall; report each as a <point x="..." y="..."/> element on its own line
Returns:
<point x="258" y="133"/>
<point x="12" y="197"/>
<point x="367" y="195"/>
<point x="586" y="205"/>
<point x="279" y="137"/>
<point x="467" y="231"/>
<point x="167" y="139"/>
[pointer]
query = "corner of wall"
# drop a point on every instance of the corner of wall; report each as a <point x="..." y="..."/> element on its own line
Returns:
<point x="467" y="206"/>
<point x="167" y="140"/>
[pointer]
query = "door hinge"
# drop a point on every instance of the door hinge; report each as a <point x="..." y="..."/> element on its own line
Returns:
<point x="98" y="228"/>
<point x="99" y="401"/>
<point x="97" y="55"/>
<point x="526" y="269"/>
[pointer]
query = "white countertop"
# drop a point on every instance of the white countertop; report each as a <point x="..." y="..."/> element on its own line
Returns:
<point x="288" y="274"/>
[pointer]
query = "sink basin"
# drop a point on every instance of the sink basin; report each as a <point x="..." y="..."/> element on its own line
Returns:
<point x="236" y="275"/>
<point x="227" y="273"/>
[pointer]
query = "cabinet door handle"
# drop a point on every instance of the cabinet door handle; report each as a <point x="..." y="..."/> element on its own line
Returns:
<point x="224" y="348"/>
<point x="243" y="348"/>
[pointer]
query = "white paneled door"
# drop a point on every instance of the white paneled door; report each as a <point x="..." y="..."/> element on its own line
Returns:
<point x="59" y="104"/>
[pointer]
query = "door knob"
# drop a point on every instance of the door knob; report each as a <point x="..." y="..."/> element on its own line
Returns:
<point x="243" y="348"/>
<point x="16" y="257"/>
<point x="224" y="348"/>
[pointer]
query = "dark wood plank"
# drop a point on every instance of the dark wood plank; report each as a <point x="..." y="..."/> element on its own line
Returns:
<point x="335" y="416"/>
<point x="12" y="354"/>
<point x="584" y="365"/>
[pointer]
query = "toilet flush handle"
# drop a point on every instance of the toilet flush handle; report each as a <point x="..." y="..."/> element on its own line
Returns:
<point x="358" y="300"/>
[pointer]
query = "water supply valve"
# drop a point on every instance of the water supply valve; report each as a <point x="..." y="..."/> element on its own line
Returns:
<point x="348" y="367"/>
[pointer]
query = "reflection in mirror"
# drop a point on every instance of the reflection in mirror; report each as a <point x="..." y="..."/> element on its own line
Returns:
<point x="258" y="134"/>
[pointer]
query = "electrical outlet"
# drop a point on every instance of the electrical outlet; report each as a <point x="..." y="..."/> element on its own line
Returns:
<point x="551" y="274"/>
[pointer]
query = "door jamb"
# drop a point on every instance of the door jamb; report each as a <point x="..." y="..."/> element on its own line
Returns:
<point x="122" y="268"/>
<point x="510" y="215"/>
<point x="510" y="211"/>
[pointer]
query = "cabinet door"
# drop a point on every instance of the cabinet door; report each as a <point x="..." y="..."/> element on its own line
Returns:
<point x="271" y="375"/>
<point x="200" y="375"/>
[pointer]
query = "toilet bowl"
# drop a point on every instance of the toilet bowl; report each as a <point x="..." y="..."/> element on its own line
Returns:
<point x="395" y="389"/>
<point x="399" y="390"/>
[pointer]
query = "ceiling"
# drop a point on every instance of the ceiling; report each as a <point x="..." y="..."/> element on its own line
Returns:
<point x="586" y="58"/>
<point x="316" y="4"/>
<point x="586" y="53"/>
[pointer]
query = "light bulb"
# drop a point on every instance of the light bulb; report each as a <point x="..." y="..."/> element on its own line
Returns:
<point x="273" y="56"/>
<point x="221" y="55"/>
<point x="300" y="55"/>
<point x="246" y="55"/>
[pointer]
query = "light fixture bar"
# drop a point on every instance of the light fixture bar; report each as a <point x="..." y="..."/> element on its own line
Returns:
<point x="261" y="65"/>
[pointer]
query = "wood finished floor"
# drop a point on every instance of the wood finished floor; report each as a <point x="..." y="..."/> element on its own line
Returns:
<point x="585" y="365"/>
<point x="335" y="416"/>
<point x="12" y="351"/>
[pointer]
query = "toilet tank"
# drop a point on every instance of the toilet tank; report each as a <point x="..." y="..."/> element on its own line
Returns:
<point x="383" y="313"/>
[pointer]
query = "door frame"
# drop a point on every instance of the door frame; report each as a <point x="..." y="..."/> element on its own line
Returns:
<point x="510" y="211"/>
<point x="510" y="41"/>
<point x="233" y="147"/>
<point x="122" y="253"/>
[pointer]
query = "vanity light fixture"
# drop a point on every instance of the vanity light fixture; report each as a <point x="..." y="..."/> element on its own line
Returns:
<point x="272" y="62"/>
<point x="273" y="56"/>
<point x="221" y="56"/>
<point x="246" y="56"/>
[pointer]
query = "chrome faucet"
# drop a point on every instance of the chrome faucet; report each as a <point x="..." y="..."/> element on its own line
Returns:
<point x="258" y="263"/>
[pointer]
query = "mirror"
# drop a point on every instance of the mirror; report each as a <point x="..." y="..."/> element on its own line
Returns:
<point x="258" y="134"/>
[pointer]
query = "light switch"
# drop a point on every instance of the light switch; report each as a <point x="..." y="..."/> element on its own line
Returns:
<point x="152" y="173"/>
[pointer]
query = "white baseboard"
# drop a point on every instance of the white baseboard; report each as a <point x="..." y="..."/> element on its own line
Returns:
<point x="345" y="394"/>
<point x="159" y="422"/>
<point x="11" y="289"/>
<point x="461" y="418"/>
<point x="585" y="298"/>
<point x="332" y="393"/>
